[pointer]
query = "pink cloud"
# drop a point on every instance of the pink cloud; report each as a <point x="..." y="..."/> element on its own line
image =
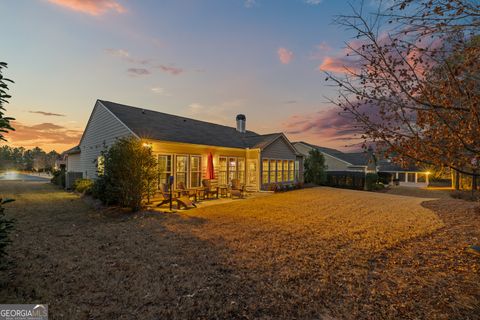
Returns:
<point x="284" y="55"/>
<point x="339" y="64"/>
<point x="91" y="7"/>
<point x="172" y="70"/>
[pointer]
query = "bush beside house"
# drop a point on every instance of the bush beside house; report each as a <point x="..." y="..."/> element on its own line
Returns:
<point x="127" y="174"/>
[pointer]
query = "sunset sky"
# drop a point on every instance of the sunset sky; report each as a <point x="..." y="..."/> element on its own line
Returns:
<point x="205" y="59"/>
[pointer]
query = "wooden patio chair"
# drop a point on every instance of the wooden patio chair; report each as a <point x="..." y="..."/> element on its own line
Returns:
<point x="181" y="201"/>
<point x="210" y="188"/>
<point x="237" y="189"/>
<point x="182" y="191"/>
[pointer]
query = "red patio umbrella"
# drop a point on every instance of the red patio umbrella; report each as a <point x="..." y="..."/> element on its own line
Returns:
<point x="210" y="174"/>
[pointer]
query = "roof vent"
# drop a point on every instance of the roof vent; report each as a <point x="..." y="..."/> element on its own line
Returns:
<point x="143" y="111"/>
<point x="241" y="123"/>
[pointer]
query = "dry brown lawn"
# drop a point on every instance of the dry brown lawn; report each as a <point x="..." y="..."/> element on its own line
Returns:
<point x="307" y="254"/>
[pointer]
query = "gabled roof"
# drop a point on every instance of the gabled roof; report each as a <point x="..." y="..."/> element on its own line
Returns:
<point x="353" y="158"/>
<point x="166" y="127"/>
<point x="73" y="150"/>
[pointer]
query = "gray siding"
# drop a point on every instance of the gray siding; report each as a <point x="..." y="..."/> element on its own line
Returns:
<point x="332" y="163"/>
<point x="279" y="150"/>
<point x="102" y="131"/>
<point x="74" y="163"/>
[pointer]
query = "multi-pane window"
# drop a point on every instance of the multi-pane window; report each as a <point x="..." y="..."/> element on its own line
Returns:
<point x="241" y="169"/>
<point x="264" y="171"/>
<point x="297" y="170"/>
<point x="164" y="169"/>
<point x="222" y="171"/>
<point x="195" y="171"/>
<point x="279" y="171"/>
<point x="181" y="170"/>
<point x="273" y="171"/>
<point x="232" y="169"/>
<point x="252" y="172"/>
<point x="291" y="170"/>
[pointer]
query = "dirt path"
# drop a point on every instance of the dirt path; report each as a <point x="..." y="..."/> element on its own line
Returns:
<point x="305" y="254"/>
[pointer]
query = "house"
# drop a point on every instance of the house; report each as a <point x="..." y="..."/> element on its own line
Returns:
<point x="338" y="161"/>
<point x="182" y="147"/>
<point x="73" y="170"/>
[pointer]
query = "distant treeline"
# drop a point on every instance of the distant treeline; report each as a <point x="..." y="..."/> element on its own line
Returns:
<point x="27" y="159"/>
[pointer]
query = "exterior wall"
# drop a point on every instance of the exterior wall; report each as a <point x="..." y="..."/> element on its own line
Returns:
<point x="74" y="163"/>
<point x="102" y="130"/>
<point x="280" y="150"/>
<point x="332" y="163"/>
<point x="173" y="148"/>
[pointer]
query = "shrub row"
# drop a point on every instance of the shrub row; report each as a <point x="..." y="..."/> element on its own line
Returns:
<point x="280" y="187"/>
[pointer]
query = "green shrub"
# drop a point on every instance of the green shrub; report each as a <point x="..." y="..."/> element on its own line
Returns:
<point x="6" y="226"/>
<point x="83" y="186"/>
<point x="315" y="168"/>
<point x="371" y="179"/>
<point x="59" y="177"/>
<point x="104" y="191"/>
<point x="130" y="170"/>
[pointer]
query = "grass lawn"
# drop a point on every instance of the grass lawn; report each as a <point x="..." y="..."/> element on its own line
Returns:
<point x="307" y="254"/>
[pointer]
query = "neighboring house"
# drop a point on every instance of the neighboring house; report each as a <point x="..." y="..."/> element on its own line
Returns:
<point x="182" y="147"/>
<point x="338" y="161"/>
<point x="73" y="169"/>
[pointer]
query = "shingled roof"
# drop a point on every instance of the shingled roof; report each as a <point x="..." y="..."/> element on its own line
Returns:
<point x="167" y="127"/>
<point x="353" y="158"/>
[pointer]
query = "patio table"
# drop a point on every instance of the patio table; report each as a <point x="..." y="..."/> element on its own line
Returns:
<point x="223" y="191"/>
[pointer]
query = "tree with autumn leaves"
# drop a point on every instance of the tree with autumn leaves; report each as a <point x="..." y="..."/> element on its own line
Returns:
<point x="413" y="81"/>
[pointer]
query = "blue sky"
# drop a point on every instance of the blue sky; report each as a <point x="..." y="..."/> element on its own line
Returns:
<point x="205" y="59"/>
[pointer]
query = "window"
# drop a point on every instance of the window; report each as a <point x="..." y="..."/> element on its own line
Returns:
<point x="291" y="170"/>
<point x="285" y="171"/>
<point x="195" y="171"/>
<point x="273" y="172"/>
<point x="241" y="169"/>
<point x="164" y="169"/>
<point x="411" y="177"/>
<point x="252" y="172"/>
<point x="232" y="169"/>
<point x="297" y="170"/>
<point x="222" y="171"/>
<point x="264" y="171"/>
<point x="100" y="165"/>
<point x="181" y="170"/>
<point x="279" y="170"/>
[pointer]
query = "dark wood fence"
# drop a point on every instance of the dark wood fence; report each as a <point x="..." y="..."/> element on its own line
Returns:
<point x="343" y="179"/>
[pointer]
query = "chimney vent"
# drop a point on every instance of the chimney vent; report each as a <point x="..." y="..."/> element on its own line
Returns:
<point x="241" y="123"/>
